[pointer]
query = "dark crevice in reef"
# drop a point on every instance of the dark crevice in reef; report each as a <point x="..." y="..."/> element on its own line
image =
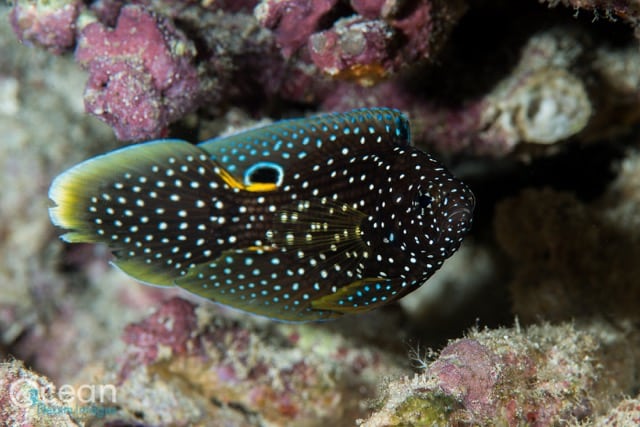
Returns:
<point x="506" y="27"/>
<point x="584" y="170"/>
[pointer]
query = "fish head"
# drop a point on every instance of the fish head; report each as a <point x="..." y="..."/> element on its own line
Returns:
<point x="431" y="209"/>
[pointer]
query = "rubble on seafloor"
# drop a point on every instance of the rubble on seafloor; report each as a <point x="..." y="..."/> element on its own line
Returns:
<point x="535" y="105"/>
<point x="186" y="364"/>
<point x="542" y="375"/>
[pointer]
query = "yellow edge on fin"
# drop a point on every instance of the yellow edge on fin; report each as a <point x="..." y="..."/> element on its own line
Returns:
<point x="63" y="192"/>
<point x="69" y="190"/>
<point x="143" y="273"/>
<point x="330" y="302"/>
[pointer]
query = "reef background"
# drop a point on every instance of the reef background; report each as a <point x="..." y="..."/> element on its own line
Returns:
<point x="535" y="321"/>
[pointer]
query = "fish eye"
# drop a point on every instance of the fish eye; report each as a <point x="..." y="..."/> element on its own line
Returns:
<point x="264" y="173"/>
<point x="424" y="200"/>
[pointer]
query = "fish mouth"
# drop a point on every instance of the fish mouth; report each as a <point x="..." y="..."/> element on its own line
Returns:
<point x="463" y="215"/>
<point x="455" y="225"/>
<point x="463" y="209"/>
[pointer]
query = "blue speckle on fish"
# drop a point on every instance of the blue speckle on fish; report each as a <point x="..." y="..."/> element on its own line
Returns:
<point x="300" y="220"/>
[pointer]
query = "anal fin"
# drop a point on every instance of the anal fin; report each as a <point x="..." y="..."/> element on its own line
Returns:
<point x="361" y="295"/>
<point x="260" y="280"/>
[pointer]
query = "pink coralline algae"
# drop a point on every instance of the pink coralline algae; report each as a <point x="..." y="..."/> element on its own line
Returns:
<point x="543" y="376"/>
<point x="355" y="49"/>
<point x="142" y="75"/>
<point x="169" y="327"/>
<point x="50" y="24"/>
<point x="372" y="8"/>
<point x="371" y="43"/>
<point x="466" y="369"/>
<point x="152" y="62"/>
<point x="293" y="21"/>
<point x="187" y="357"/>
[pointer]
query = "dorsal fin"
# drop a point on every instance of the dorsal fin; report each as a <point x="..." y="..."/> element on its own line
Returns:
<point x="309" y="139"/>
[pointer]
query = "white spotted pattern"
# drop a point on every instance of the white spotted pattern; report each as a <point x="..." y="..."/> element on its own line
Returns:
<point x="302" y="220"/>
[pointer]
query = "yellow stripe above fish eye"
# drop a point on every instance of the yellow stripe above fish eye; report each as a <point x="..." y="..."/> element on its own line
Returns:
<point x="257" y="187"/>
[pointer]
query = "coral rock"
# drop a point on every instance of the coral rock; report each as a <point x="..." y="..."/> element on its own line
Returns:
<point x="542" y="376"/>
<point x="293" y="21"/>
<point x="629" y="10"/>
<point x="627" y="413"/>
<point x="543" y="101"/>
<point x="187" y="357"/>
<point x="355" y="49"/>
<point x="141" y="73"/>
<point x="563" y="269"/>
<point x="28" y="399"/>
<point x="50" y="24"/>
<point x="382" y="37"/>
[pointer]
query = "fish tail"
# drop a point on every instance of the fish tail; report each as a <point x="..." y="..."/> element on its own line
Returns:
<point x="150" y="203"/>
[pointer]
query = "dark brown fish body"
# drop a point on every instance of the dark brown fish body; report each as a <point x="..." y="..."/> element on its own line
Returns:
<point x="301" y="220"/>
